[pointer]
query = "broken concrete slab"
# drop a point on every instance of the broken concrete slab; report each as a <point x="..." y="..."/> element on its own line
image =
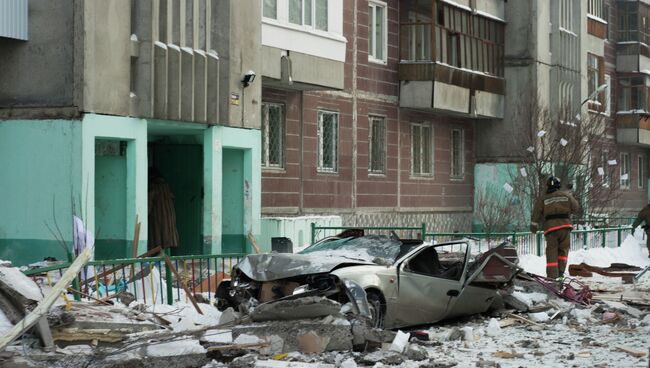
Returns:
<point x="312" y="343"/>
<point x="382" y="356"/>
<point x="301" y="308"/>
<point x="618" y="306"/>
<point x="340" y="334"/>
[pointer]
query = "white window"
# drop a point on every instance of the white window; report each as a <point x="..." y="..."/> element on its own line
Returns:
<point x="376" y="31"/>
<point x="608" y="95"/>
<point x="270" y="9"/>
<point x="377" y="141"/>
<point x="328" y="127"/>
<point x="320" y="14"/>
<point x="457" y="153"/>
<point x="421" y="149"/>
<point x="641" y="171"/>
<point x="272" y="135"/>
<point x="625" y="170"/>
<point x="301" y="12"/>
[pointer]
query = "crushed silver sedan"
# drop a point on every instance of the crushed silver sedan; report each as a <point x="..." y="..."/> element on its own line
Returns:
<point x="394" y="282"/>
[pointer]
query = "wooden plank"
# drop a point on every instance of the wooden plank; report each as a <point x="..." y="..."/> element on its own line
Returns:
<point x="634" y="353"/>
<point x="44" y="306"/>
<point x="187" y="291"/>
<point x="239" y="346"/>
<point x="136" y="238"/>
<point x="254" y="243"/>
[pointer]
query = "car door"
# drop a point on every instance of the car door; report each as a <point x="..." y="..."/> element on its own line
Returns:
<point x="426" y="293"/>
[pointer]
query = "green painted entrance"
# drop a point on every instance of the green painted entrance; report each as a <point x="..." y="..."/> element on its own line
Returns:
<point x="233" y="239"/>
<point x="110" y="199"/>
<point x="182" y="167"/>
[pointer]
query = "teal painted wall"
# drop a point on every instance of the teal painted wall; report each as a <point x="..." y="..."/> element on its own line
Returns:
<point x="110" y="207"/>
<point x="216" y="139"/>
<point x="233" y="237"/>
<point x="182" y="167"/>
<point x="492" y="176"/>
<point x="134" y="132"/>
<point x="41" y="178"/>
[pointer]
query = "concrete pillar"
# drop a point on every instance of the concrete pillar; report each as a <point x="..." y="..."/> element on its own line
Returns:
<point x="200" y="83"/>
<point x="212" y="189"/>
<point x="212" y="79"/>
<point x="173" y="82"/>
<point x="159" y="80"/>
<point x="187" y="84"/>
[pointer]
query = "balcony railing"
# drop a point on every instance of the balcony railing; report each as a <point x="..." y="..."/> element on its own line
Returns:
<point x="450" y="47"/>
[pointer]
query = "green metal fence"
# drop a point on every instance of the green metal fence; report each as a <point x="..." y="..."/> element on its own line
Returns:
<point x="150" y="279"/>
<point x="526" y="242"/>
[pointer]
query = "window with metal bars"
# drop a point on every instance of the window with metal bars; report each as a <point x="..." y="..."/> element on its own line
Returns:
<point x="421" y="149"/>
<point x="625" y="170"/>
<point x="328" y="127"/>
<point x="377" y="140"/>
<point x="457" y="153"/>
<point x="272" y="135"/>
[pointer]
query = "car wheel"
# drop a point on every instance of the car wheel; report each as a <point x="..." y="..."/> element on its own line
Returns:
<point x="377" y="308"/>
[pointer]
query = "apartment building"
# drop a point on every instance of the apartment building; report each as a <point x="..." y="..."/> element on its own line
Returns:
<point x="94" y="93"/>
<point x="563" y="51"/>
<point x="369" y="108"/>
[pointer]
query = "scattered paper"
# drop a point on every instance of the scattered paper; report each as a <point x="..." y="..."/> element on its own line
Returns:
<point x="564" y="142"/>
<point x="624" y="177"/>
<point x="541" y="133"/>
<point x="601" y="172"/>
<point x="611" y="162"/>
<point x="523" y="172"/>
<point x="508" y="188"/>
<point x="530" y="149"/>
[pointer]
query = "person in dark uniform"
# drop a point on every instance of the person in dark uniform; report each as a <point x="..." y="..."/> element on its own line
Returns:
<point x="644" y="217"/>
<point x="554" y="209"/>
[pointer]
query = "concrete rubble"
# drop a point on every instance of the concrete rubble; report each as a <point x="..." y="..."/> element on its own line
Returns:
<point x="319" y="332"/>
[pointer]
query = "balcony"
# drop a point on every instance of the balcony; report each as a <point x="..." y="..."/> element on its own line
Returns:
<point x="454" y="65"/>
<point x="633" y="128"/>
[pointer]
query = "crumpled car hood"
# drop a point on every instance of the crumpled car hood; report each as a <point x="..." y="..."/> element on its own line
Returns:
<point x="274" y="266"/>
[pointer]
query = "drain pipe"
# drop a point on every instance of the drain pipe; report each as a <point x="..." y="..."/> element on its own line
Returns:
<point x="354" y="108"/>
<point x="302" y="155"/>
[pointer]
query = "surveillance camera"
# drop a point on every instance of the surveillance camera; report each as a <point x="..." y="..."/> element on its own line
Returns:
<point x="249" y="77"/>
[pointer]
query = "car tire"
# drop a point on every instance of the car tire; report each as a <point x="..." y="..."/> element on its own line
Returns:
<point x="377" y="308"/>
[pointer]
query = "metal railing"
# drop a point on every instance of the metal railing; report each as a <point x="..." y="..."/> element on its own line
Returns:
<point x="151" y="280"/>
<point x="525" y="241"/>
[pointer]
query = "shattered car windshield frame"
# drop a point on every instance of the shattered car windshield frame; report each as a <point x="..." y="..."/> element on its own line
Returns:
<point x="370" y="247"/>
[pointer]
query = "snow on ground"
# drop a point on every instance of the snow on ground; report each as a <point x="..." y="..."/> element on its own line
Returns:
<point x="175" y="348"/>
<point x="632" y="251"/>
<point x="184" y="317"/>
<point x="26" y="286"/>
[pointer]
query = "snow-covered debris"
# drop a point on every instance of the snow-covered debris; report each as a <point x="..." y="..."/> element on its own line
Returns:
<point x="174" y="348"/>
<point x="400" y="342"/>
<point x="493" y="328"/>
<point x="539" y="317"/>
<point x="348" y="363"/>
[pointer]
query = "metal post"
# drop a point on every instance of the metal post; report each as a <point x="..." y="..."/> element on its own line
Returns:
<point x="584" y="239"/>
<point x="603" y="240"/>
<point x="313" y="232"/>
<point x="169" y="281"/>
<point x="75" y="281"/>
<point x="618" y="234"/>
<point x="424" y="231"/>
<point x="514" y="238"/>
<point x="538" y="236"/>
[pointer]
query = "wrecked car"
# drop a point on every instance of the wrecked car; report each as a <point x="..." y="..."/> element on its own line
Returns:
<point x="393" y="282"/>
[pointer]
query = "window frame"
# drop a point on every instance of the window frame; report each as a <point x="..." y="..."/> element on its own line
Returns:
<point x="641" y="179"/>
<point x="461" y="152"/>
<point x="335" y="146"/>
<point x="372" y="120"/>
<point x="624" y="164"/>
<point x="431" y="140"/>
<point x="265" y="135"/>
<point x="276" y="10"/>
<point x="303" y="8"/>
<point x="596" y="103"/>
<point x="604" y="157"/>
<point x="372" y="49"/>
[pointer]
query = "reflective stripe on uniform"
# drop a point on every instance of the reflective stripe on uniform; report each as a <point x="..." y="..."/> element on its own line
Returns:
<point x="565" y="226"/>
<point x="551" y="264"/>
<point x="563" y="258"/>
